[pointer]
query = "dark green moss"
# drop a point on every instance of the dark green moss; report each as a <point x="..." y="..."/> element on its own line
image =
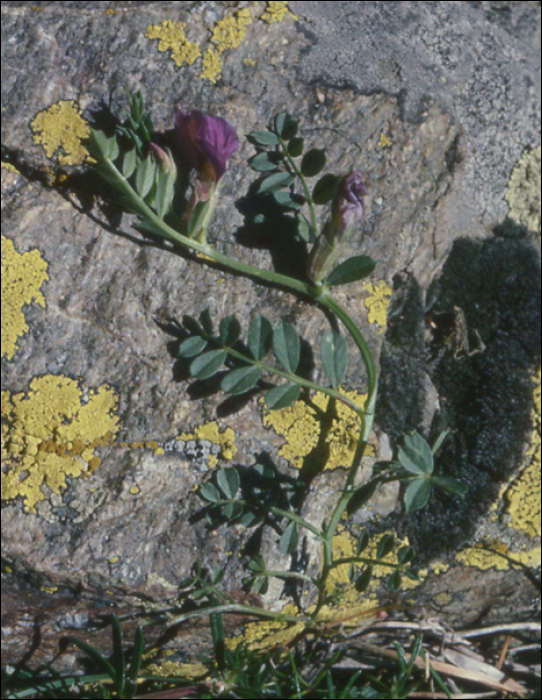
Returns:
<point x="485" y="397"/>
<point x="400" y="396"/>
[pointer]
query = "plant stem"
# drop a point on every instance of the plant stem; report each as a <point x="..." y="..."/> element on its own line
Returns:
<point x="306" y="190"/>
<point x="292" y="377"/>
<point x="316" y="293"/>
<point x="320" y="295"/>
<point x="232" y="608"/>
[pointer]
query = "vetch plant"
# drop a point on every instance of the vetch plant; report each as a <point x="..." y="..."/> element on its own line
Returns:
<point x="143" y="176"/>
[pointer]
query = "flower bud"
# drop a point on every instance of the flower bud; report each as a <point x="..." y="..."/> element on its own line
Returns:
<point x="346" y="212"/>
<point x="164" y="160"/>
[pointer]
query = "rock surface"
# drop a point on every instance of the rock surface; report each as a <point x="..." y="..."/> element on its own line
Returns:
<point x="103" y="436"/>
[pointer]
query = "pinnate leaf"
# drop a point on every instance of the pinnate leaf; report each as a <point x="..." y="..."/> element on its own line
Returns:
<point x="144" y="177"/>
<point x="325" y="188"/>
<point x="276" y="182"/>
<point x="264" y="162"/>
<point x="364" y="579"/>
<point x="263" y="138"/>
<point x="129" y="163"/>
<point x="451" y="485"/>
<point x="285" y="125"/>
<point x="192" y="347"/>
<point x="165" y="186"/>
<point x="288" y="541"/>
<point x="385" y="546"/>
<point x="295" y="146"/>
<point x="209" y="492"/>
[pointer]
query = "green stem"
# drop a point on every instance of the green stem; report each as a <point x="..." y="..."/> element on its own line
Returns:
<point x="232" y="608"/>
<point x="320" y="295"/>
<point x="292" y="377"/>
<point x="316" y="293"/>
<point x="290" y="574"/>
<point x="306" y="190"/>
<point x="296" y="518"/>
<point x="363" y="560"/>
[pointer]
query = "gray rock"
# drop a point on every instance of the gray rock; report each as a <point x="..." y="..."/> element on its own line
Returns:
<point x="434" y="101"/>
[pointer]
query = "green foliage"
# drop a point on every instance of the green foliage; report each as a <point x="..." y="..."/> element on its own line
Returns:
<point x="351" y="270"/>
<point x="334" y="357"/>
<point x="287" y="346"/>
<point x="243" y="363"/>
<point x="278" y="150"/>
<point x="416" y="466"/>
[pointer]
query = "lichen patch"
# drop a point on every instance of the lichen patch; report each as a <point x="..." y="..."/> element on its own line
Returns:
<point x="301" y="426"/>
<point x="49" y="434"/>
<point x="171" y="37"/>
<point x="522" y="497"/>
<point x="228" y="33"/>
<point x="60" y="129"/>
<point x="377" y="303"/>
<point x="276" y="12"/>
<point x="523" y="192"/>
<point x="22" y="278"/>
<point x="211" y="432"/>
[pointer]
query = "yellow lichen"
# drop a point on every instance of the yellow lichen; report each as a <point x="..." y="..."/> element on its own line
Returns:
<point x="439" y="567"/>
<point x="171" y="37"/>
<point x="344" y="545"/>
<point x="228" y="33"/>
<point x="352" y="608"/>
<point x="49" y="589"/>
<point x="10" y="167"/>
<point x="523" y="193"/>
<point x="491" y="558"/>
<point x="22" y="277"/>
<point x="62" y="128"/>
<point x="134" y="490"/>
<point x="442" y="599"/>
<point x="377" y="303"/>
<point x="211" y="432"/>
<point x="523" y="495"/>
<point x="48" y="434"/>
<point x="176" y="669"/>
<point x="384" y="141"/>
<point x="302" y="427"/>
<point x="275" y="12"/>
<point x="212" y="65"/>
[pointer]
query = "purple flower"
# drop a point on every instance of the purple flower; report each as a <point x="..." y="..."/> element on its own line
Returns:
<point x="346" y="210"/>
<point x="205" y="141"/>
<point x="347" y="205"/>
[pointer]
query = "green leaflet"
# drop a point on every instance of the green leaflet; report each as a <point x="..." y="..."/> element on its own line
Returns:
<point x="238" y="381"/>
<point x="334" y="357"/>
<point x="287" y="346"/>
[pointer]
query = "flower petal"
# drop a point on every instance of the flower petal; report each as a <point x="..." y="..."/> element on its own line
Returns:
<point x="217" y="141"/>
